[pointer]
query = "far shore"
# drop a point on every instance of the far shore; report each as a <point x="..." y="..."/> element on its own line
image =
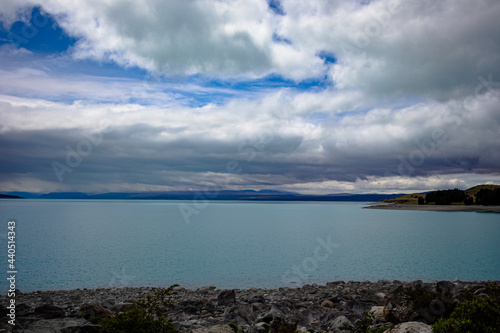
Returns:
<point x="436" y="208"/>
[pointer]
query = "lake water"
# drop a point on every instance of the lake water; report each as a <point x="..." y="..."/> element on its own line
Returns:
<point x="66" y="244"/>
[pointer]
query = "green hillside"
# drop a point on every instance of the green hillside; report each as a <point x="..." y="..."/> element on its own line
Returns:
<point x="408" y="199"/>
<point x="473" y="190"/>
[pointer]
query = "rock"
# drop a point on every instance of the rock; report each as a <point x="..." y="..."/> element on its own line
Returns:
<point x="257" y="299"/>
<point x="341" y="325"/>
<point x="109" y="303"/>
<point x="23" y="310"/>
<point x="49" y="311"/>
<point x="46" y="299"/>
<point x="259" y="328"/>
<point x="381" y="327"/>
<point x="119" y="307"/>
<point x="356" y="309"/>
<point x="259" y="307"/>
<point x="65" y="325"/>
<point x="214" y="329"/>
<point x="418" y="302"/>
<point x="269" y="316"/>
<point x="445" y="286"/>
<point x="75" y="299"/>
<point x="378" y="314"/>
<point x="93" y="313"/>
<point x="188" y="323"/>
<point x="226" y="297"/>
<point x="206" y="290"/>
<point x="281" y="324"/>
<point x="327" y="304"/>
<point x="241" y="314"/>
<point x="411" y="327"/>
<point x="194" y="307"/>
<point x="380" y="296"/>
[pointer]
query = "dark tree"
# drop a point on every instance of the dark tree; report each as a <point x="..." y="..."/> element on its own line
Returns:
<point x="421" y="201"/>
<point x="445" y="197"/>
<point x="488" y="197"/>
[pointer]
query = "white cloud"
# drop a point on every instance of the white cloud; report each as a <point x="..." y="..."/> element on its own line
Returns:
<point x="222" y="38"/>
<point x="14" y="10"/>
<point x="430" y="48"/>
<point x="37" y="83"/>
<point x="396" y="184"/>
<point x="389" y="47"/>
<point x="8" y="50"/>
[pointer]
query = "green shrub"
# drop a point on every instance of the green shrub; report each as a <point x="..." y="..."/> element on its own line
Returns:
<point x="378" y="330"/>
<point x="234" y="326"/>
<point x="147" y="315"/>
<point x="493" y="290"/>
<point x="366" y="322"/>
<point x="479" y="315"/>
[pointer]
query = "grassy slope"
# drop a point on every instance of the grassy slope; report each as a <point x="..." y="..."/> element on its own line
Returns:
<point x="473" y="190"/>
<point x="409" y="199"/>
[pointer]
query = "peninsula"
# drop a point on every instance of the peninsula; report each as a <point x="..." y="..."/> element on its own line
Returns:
<point x="480" y="198"/>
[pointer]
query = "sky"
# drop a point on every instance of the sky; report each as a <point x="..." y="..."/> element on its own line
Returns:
<point x="315" y="97"/>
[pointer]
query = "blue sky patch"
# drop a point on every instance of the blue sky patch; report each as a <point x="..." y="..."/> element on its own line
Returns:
<point x="280" y="39"/>
<point x="328" y="57"/>
<point x="40" y="34"/>
<point x="276" y="7"/>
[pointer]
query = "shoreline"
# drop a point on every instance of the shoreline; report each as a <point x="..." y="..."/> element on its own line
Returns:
<point x="435" y="208"/>
<point x="310" y="308"/>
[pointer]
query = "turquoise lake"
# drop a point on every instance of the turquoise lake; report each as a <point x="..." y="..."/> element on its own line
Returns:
<point x="67" y="244"/>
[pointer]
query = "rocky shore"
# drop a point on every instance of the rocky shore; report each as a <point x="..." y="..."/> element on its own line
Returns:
<point x="334" y="307"/>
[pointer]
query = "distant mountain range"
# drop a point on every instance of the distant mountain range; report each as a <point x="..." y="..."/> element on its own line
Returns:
<point x="262" y="195"/>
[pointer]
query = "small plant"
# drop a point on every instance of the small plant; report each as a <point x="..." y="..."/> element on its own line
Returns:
<point x="366" y="322"/>
<point x="493" y="290"/>
<point x="479" y="315"/>
<point x="378" y="330"/>
<point x="235" y="327"/>
<point x="146" y="315"/>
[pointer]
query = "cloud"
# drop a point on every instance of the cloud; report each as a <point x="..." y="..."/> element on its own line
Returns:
<point x="221" y="38"/>
<point x="390" y="47"/>
<point x="427" y="48"/>
<point x="384" y="185"/>
<point x="189" y="148"/>
<point x="408" y="98"/>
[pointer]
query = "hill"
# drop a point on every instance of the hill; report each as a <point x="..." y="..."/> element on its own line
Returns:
<point x="471" y="193"/>
<point x="474" y="190"/>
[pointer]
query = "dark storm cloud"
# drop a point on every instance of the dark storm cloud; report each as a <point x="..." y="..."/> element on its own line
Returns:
<point x="353" y="149"/>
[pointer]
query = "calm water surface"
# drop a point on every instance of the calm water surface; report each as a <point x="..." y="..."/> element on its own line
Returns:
<point x="65" y="244"/>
